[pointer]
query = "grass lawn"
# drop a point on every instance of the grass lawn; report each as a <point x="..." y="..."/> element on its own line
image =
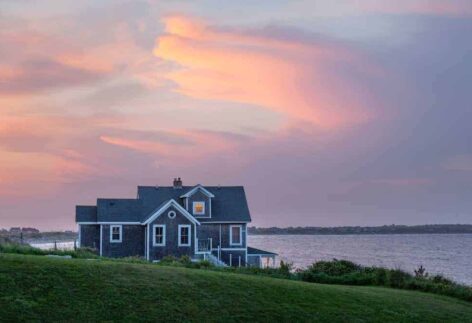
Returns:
<point x="37" y="288"/>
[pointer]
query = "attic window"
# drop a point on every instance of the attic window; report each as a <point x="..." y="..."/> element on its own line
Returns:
<point x="198" y="208"/>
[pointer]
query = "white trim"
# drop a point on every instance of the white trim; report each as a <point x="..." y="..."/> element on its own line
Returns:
<point x="147" y="241"/>
<point x="223" y="222"/>
<point x="173" y="214"/>
<point x="195" y="239"/>
<point x="145" y="245"/>
<point x="193" y="190"/>
<point x="193" y="208"/>
<point x="79" y="238"/>
<point x="189" y="235"/>
<point x="231" y="243"/>
<point x="245" y="231"/>
<point x="229" y="249"/>
<point x="101" y="240"/>
<point x="144" y="223"/>
<point x="163" y="244"/>
<point x="179" y="208"/>
<point x="120" y="227"/>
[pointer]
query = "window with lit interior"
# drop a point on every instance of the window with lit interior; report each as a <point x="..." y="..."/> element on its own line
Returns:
<point x="198" y="208"/>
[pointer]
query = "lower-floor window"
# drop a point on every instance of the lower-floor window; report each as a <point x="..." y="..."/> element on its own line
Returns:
<point x="159" y="235"/>
<point x="184" y="235"/>
<point x="235" y="235"/>
<point x="115" y="233"/>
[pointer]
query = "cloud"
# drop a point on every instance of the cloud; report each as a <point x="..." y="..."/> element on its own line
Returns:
<point x="184" y="145"/>
<point x="305" y="78"/>
<point x="33" y="76"/>
<point x="453" y="8"/>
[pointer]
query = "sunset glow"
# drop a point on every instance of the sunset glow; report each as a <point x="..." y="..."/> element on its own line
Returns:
<point x="349" y="106"/>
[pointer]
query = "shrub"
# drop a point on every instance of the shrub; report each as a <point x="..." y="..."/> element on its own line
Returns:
<point x="421" y="272"/>
<point x="334" y="267"/>
<point x="185" y="260"/>
<point x="285" y="267"/>
<point x="440" y="279"/>
<point x="398" y="278"/>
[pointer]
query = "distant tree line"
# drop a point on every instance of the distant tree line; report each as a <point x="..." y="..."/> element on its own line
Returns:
<point x="384" y="229"/>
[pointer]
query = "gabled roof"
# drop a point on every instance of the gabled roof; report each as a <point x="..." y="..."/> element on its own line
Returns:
<point x="228" y="205"/>
<point x="164" y="207"/>
<point x="195" y="189"/>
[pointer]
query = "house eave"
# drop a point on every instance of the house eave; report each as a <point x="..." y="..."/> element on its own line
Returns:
<point x="196" y="188"/>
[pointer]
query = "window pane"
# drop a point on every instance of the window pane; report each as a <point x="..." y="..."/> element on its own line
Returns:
<point x="115" y="233"/>
<point x="184" y="232"/>
<point x="236" y="234"/>
<point x="199" y="208"/>
<point x="159" y="233"/>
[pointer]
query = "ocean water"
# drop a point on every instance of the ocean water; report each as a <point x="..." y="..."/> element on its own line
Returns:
<point x="447" y="254"/>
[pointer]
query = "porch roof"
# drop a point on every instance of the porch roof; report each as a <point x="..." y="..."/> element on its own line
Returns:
<point x="258" y="252"/>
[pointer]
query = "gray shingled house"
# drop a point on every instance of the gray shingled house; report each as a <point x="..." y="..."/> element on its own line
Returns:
<point x="202" y="222"/>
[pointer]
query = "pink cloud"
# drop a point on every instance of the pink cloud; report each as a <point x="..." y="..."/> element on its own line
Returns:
<point x="195" y="145"/>
<point x="298" y="78"/>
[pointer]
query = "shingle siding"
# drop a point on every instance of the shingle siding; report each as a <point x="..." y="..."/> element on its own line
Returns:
<point x="90" y="236"/>
<point x="205" y="231"/>
<point x="199" y="197"/>
<point x="171" y="247"/>
<point x="132" y="242"/>
<point x="228" y="207"/>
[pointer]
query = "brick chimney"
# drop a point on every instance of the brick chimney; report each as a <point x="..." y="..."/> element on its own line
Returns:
<point x="177" y="183"/>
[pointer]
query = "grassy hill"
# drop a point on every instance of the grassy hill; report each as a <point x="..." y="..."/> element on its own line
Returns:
<point x="36" y="288"/>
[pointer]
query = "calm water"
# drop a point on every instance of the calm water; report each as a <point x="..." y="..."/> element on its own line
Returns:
<point x="447" y="254"/>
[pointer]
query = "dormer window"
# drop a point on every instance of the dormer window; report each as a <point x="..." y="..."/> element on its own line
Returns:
<point x="199" y="208"/>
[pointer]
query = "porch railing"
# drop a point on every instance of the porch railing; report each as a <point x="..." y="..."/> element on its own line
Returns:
<point x="204" y="245"/>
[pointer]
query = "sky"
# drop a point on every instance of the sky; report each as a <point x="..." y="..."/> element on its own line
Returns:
<point x="329" y="112"/>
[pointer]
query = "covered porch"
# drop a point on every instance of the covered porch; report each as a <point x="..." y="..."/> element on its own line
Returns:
<point x="260" y="258"/>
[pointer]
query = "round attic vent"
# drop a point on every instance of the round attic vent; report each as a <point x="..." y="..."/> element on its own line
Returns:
<point x="171" y="214"/>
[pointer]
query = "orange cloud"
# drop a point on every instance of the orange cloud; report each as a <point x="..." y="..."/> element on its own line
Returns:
<point x="297" y="78"/>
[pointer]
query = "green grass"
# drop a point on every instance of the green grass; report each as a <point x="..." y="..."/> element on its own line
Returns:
<point x="25" y="249"/>
<point x="34" y="288"/>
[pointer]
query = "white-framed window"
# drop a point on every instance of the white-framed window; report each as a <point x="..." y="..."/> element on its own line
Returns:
<point x="171" y="214"/>
<point x="199" y="208"/>
<point x="236" y="235"/>
<point x="158" y="235"/>
<point x="116" y="233"/>
<point x="185" y="235"/>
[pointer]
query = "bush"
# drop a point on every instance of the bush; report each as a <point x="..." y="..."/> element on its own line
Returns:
<point x="347" y="273"/>
<point x="334" y="267"/>
<point x="398" y="278"/>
